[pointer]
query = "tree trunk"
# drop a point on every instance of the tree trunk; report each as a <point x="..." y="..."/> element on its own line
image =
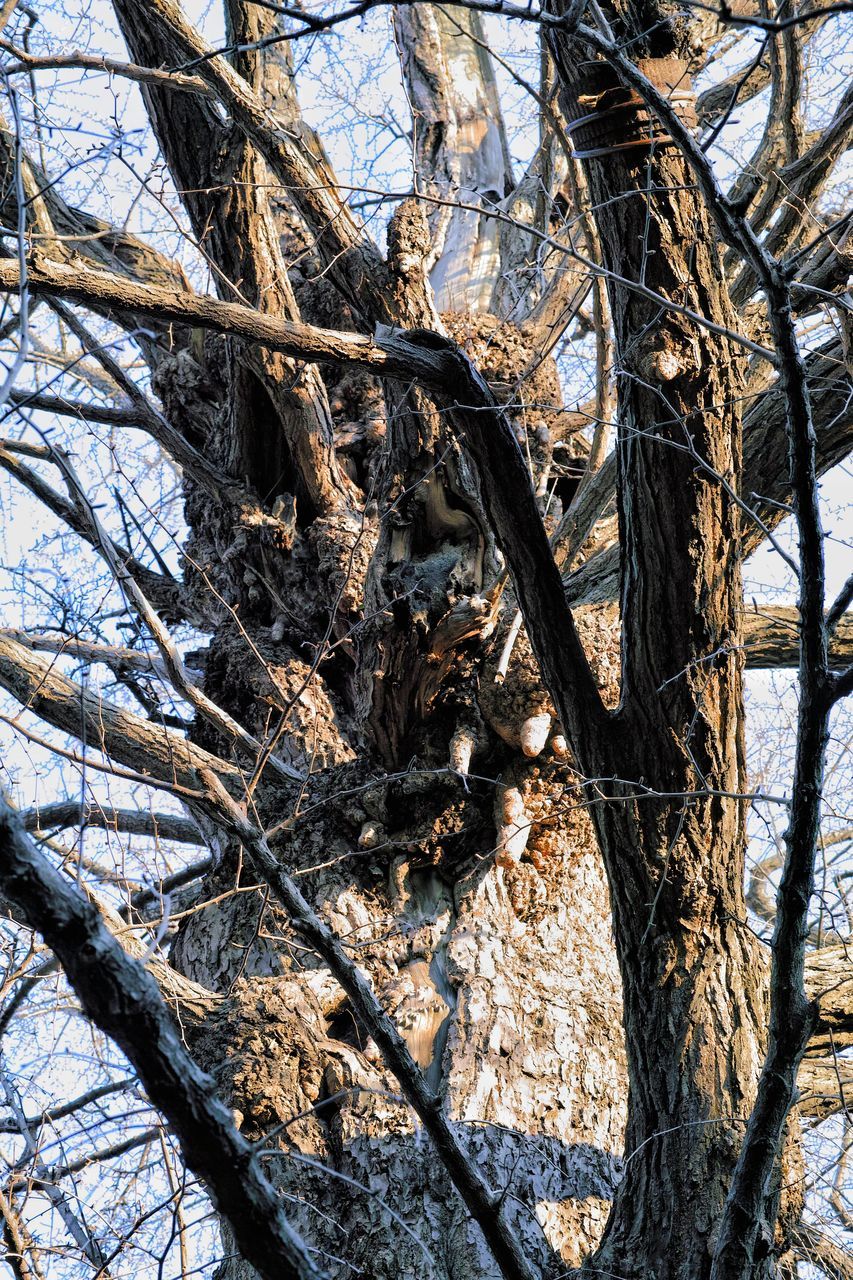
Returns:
<point x="501" y="975"/>
<point x="694" y="978"/>
<point x="533" y="845"/>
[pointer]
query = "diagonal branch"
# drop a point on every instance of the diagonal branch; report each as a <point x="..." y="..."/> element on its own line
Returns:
<point x="116" y="657"/>
<point x="158" y="754"/>
<point x="235" y="228"/>
<point x="122" y="999"/>
<point x="169" y="654"/>
<point x="78" y="284"/>
<point x="109" y="415"/>
<point x="354" y="263"/>
<point x="510" y="503"/>
<point x="165" y="592"/>
<point x="70" y="813"/>
<point x="171" y="80"/>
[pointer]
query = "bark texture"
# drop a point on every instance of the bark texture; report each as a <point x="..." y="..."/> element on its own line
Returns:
<point x="531" y="839"/>
<point x="694" y="979"/>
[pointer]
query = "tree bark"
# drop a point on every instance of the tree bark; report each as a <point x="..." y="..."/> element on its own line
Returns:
<point x="527" y="845"/>
<point x="694" y="979"/>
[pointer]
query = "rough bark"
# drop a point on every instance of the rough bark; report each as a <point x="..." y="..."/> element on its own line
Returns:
<point x="360" y="611"/>
<point x="694" y="980"/>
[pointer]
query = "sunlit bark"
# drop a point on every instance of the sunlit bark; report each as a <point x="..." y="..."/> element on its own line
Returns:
<point x="529" y="840"/>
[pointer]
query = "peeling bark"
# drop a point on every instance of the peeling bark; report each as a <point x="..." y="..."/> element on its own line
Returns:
<point x="460" y="144"/>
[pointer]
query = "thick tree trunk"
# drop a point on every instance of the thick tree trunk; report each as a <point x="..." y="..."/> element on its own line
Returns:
<point x="502" y="975"/>
<point x="523" y="988"/>
<point x="544" y="887"/>
<point x="694" y="978"/>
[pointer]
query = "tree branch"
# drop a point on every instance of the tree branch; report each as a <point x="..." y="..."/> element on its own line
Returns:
<point x="171" y="80"/>
<point x="771" y="638"/>
<point x="152" y="751"/>
<point x="122" y="999"/>
<point x="353" y="262"/>
<point x="165" y="592"/>
<point x="52" y="1114"/>
<point x="816" y="1249"/>
<point x="829" y="983"/>
<point x="113" y="656"/>
<point x="70" y="813"/>
<point x="88" y="412"/>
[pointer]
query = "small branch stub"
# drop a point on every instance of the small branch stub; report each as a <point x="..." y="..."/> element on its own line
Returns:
<point x="371" y="834"/>
<point x="462" y="747"/>
<point x="514" y="831"/>
<point x="535" y="732"/>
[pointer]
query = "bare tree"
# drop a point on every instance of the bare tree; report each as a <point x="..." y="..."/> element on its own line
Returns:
<point x="447" y="687"/>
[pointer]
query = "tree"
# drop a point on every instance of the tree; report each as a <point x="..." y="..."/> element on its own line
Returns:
<point x="449" y="854"/>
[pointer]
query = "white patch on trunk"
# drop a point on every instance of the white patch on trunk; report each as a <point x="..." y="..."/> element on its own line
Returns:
<point x="534" y="733"/>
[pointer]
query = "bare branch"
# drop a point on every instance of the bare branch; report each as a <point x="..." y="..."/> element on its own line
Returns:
<point x="353" y="262"/>
<point x="157" y="753"/>
<point x="829" y="982"/>
<point x="70" y="813"/>
<point x="172" y="80"/>
<point x="88" y="412"/>
<point x="816" y="1249"/>
<point x="166" y="592"/>
<point x="113" y="656"/>
<point x="52" y="1114"/>
<point x="123" y="1000"/>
